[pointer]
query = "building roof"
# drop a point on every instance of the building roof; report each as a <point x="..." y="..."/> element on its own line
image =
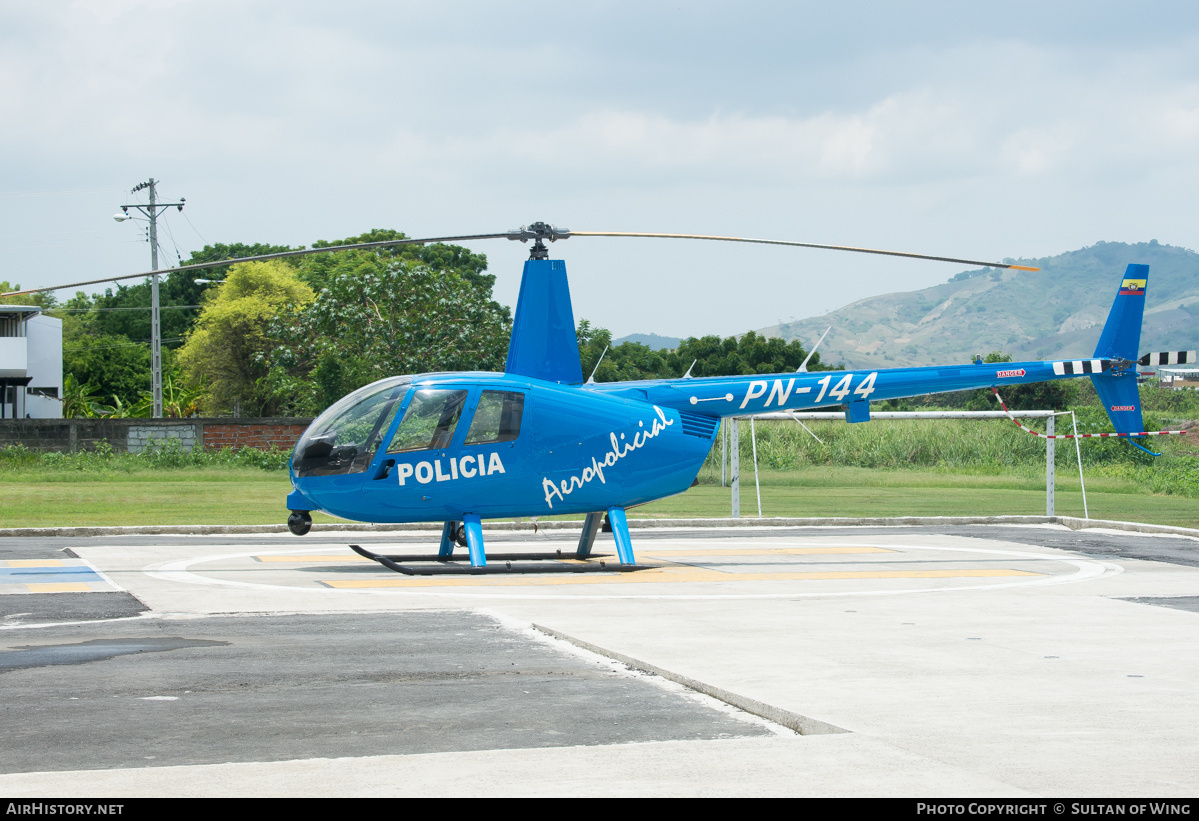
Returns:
<point x="23" y="311"/>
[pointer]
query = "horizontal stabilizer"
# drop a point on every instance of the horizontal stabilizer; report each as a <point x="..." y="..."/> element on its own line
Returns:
<point x="1168" y="358"/>
<point x="1121" y="399"/>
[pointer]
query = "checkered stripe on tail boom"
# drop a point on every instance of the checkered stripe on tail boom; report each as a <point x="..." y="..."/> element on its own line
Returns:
<point x="1168" y="358"/>
<point x="1079" y="366"/>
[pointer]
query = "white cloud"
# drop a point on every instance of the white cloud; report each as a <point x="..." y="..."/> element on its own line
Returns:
<point x="343" y="118"/>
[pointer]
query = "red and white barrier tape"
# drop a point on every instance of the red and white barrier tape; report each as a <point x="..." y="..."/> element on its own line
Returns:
<point x="1082" y="435"/>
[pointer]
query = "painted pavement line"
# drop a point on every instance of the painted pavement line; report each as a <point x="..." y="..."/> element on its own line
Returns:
<point x="24" y="576"/>
<point x="566" y="557"/>
<point x="1086" y="569"/>
<point x="671" y="576"/>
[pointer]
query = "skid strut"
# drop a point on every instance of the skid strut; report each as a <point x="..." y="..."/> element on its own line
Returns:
<point x="583" y="561"/>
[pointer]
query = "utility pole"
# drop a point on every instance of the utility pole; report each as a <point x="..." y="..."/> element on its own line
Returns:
<point x="152" y="211"/>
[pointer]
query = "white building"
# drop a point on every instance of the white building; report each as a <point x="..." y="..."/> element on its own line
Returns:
<point x="1179" y="378"/>
<point x="30" y="364"/>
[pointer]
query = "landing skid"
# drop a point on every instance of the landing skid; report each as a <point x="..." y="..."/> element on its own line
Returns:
<point x="439" y="565"/>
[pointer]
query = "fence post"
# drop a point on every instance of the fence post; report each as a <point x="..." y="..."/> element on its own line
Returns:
<point x="1050" y="454"/>
<point x="735" y="466"/>
<point x="724" y="453"/>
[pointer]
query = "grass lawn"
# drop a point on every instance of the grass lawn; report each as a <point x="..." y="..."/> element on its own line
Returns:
<point x="251" y="496"/>
<point x="921" y="493"/>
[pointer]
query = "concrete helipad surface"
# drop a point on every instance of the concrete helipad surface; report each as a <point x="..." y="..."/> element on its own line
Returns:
<point x="980" y="661"/>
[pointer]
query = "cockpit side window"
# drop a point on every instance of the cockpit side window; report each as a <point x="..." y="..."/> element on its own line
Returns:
<point x="497" y="418"/>
<point x="429" y="422"/>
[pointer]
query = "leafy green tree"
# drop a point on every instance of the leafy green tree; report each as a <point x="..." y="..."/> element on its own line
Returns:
<point x="750" y="354"/>
<point x="624" y="362"/>
<point x="79" y="401"/>
<point x="318" y="269"/>
<point x="45" y="301"/>
<point x="226" y="349"/>
<point x="713" y="356"/>
<point x="379" y="315"/>
<point x="114" y="367"/>
<point x="1036" y="396"/>
<point x="125" y="309"/>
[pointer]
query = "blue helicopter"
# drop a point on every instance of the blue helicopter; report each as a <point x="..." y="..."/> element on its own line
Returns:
<point x="536" y="440"/>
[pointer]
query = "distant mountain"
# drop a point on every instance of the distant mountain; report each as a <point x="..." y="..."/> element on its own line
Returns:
<point x="1056" y="313"/>
<point x="652" y="341"/>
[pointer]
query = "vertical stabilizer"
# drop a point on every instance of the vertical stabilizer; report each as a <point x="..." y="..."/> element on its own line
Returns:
<point x="544" y="344"/>
<point x="1120" y="340"/>
<point x="1121" y="337"/>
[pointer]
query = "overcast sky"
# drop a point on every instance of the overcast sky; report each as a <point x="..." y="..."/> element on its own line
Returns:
<point x="979" y="130"/>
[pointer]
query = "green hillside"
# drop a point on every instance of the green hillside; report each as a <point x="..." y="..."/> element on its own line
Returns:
<point x="1056" y="313"/>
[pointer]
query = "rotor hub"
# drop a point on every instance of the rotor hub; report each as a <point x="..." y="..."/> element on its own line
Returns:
<point x="539" y="232"/>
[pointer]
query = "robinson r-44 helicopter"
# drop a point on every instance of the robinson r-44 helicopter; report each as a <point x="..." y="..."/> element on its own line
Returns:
<point x="538" y="440"/>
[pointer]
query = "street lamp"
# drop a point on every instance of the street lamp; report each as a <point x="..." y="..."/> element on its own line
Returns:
<point x="152" y="211"/>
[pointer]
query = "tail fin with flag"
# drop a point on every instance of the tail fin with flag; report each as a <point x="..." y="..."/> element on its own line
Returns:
<point x="1119" y="342"/>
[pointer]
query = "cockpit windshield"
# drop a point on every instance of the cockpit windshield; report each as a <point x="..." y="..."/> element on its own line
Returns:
<point x="345" y="437"/>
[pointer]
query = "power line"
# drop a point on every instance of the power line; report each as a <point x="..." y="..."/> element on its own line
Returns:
<point x="121" y="344"/>
<point x="198" y="234"/>
<point x="14" y="194"/>
<point x="134" y="308"/>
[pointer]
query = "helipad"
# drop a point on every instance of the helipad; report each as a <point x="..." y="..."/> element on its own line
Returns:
<point x="724" y="565"/>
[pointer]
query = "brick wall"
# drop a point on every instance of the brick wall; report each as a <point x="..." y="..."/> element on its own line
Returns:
<point x="132" y="435"/>
<point x="262" y="436"/>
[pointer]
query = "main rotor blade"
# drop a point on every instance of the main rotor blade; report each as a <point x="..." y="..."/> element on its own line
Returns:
<point x="806" y="245"/>
<point x="536" y="231"/>
<point x="280" y="255"/>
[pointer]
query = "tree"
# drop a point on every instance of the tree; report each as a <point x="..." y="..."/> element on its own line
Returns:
<point x="1035" y="396"/>
<point x="177" y="291"/>
<point x="226" y="349"/>
<point x="379" y="315"/>
<point x="44" y="300"/>
<point x="317" y="269"/>
<point x="750" y="354"/>
<point x="711" y="355"/>
<point x="627" y="361"/>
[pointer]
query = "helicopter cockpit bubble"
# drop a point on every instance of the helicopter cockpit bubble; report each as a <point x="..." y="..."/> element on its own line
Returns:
<point x="345" y="437"/>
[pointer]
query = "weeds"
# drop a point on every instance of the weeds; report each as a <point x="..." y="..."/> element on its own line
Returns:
<point x="966" y="446"/>
<point x="166" y="454"/>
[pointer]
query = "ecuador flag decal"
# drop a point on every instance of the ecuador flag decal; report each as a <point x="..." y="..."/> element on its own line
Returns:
<point x="1132" y="287"/>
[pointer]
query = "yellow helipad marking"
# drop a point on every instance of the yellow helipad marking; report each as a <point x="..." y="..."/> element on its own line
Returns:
<point x="33" y="563"/>
<point x="779" y="551"/>
<point x="60" y="587"/>
<point x="339" y="557"/>
<point x="566" y="557"/>
<point x="668" y="575"/>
